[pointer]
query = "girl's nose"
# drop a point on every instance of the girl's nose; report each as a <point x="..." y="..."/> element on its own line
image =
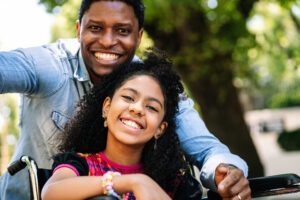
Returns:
<point x="136" y="108"/>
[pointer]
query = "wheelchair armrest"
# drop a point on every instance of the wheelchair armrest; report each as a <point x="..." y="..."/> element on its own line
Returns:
<point x="274" y="185"/>
<point x="273" y="182"/>
<point x="268" y="186"/>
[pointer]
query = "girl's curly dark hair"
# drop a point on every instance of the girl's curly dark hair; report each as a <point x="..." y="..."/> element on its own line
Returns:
<point x="85" y="133"/>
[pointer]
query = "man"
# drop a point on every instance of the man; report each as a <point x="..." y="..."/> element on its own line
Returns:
<point x="52" y="78"/>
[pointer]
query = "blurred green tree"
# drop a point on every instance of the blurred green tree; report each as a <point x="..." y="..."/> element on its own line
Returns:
<point x="276" y="55"/>
<point x="9" y="131"/>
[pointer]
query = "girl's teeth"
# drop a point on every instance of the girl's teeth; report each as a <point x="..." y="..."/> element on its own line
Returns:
<point x="131" y="123"/>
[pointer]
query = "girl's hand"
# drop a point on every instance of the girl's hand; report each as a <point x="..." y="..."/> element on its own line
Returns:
<point x="142" y="186"/>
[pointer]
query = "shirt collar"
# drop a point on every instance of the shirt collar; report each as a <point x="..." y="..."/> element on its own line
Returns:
<point x="81" y="73"/>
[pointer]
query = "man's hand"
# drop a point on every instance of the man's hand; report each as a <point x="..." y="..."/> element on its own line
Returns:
<point x="231" y="183"/>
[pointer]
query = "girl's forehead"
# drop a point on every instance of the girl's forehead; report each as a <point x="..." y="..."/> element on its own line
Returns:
<point x="141" y="79"/>
<point x="144" y="84"/>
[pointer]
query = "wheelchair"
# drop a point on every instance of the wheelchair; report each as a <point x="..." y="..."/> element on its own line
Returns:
<point x="261" y="187"/>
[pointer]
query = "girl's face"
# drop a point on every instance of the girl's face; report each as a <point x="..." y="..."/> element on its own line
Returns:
<point x="135" y="113"/>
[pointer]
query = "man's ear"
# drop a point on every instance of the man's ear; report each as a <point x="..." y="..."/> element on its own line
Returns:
<point x="141" y="31"/>
<point x="78" y="30"/>
<point x="105" y="106"/>
<point x="161" y="130"/>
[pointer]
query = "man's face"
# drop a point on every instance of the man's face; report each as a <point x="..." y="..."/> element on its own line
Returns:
<point x="109" y="35"/>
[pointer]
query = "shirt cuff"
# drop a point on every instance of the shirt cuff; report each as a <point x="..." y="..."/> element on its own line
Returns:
<point x="207" y="174"/>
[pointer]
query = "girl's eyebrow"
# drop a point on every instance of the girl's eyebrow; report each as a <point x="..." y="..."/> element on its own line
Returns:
<point x="149" y="98"/>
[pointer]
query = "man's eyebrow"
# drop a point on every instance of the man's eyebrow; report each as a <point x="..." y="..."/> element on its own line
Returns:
<point x="94" y="21"/>
<point x="123" y="23"/>
<point x="150" y="98"/>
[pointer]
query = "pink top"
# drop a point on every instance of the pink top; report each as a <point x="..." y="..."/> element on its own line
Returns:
<point x="99" y="164"/>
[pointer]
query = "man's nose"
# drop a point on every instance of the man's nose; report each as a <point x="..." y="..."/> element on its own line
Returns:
<point x="107" y="39"/>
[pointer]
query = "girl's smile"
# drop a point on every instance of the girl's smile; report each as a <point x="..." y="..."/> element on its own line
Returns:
<point x="131" y="123"/>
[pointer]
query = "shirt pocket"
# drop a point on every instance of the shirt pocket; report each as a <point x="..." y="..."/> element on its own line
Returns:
<point x="53" y="128"/>
<point x="59" y="120"/>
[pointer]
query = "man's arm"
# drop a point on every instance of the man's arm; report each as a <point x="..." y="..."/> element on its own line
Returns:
<point x="16" y="73"/>
<point x="204" y="149"/>
<point x="29" y="71"/>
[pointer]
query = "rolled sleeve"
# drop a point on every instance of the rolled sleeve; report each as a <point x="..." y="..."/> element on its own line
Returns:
<point x="16" y="72"/>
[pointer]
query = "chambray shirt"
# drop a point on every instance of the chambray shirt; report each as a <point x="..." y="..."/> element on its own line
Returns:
<point x="51" y="80"/>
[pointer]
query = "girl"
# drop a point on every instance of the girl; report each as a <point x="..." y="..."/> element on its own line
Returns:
<point x="125" y="133"/>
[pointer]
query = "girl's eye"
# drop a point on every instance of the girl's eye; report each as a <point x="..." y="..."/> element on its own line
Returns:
<point x="152" y="108"/>
<point x="128" y="98"/>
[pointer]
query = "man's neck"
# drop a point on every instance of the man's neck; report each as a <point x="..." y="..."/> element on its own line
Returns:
<point x="94" y="78"/>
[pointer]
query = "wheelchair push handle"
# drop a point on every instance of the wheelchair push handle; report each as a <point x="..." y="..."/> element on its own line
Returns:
<point x="16" y="166"/>
<point x="26" y="161"/>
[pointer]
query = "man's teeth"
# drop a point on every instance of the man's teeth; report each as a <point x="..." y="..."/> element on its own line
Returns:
<point x="131" y="124"/>
<point x="106" y="56"/>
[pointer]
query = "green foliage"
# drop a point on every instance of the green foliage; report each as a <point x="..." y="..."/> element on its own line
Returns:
<point x="274" y="59"/>
<point x="9" y="111"/>
<point x="284" y="100"/>
<point x="204" y="31"/>
<point x="65" y="25"/>
<point x="290" y="140"/>
<point x="9" y="115"/>
<point x="52" y="4"/>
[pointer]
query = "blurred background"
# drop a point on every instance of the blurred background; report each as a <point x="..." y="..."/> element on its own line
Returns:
<point x="239" y="60"/>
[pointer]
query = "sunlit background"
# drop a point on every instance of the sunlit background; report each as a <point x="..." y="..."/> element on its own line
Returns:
<point x="23" y="24"/>
<point x="265" y="63"/>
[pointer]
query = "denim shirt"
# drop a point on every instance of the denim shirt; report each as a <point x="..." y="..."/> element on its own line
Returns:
<point x="51" y="80"/>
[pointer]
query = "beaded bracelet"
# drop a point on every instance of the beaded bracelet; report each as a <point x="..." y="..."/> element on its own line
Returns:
<point x="107" y="184"/>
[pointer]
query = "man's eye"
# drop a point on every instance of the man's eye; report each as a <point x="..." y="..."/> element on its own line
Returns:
<point x="124" y="31"/>
<point x="95" y="28"/>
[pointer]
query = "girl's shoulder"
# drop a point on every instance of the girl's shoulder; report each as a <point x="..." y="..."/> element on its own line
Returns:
<point x="74" y="159"/>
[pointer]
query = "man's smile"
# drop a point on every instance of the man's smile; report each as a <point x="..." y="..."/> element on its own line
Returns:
<point x="106" y="56"/>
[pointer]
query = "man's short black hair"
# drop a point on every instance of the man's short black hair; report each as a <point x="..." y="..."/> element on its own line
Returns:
<point x="137" y="6"/>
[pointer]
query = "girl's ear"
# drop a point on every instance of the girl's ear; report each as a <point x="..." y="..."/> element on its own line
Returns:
<point x="161" y="130"/>
<point x="105" y="106"/>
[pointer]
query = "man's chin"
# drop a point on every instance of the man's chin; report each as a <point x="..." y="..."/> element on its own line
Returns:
<point x="103" y="73"/>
